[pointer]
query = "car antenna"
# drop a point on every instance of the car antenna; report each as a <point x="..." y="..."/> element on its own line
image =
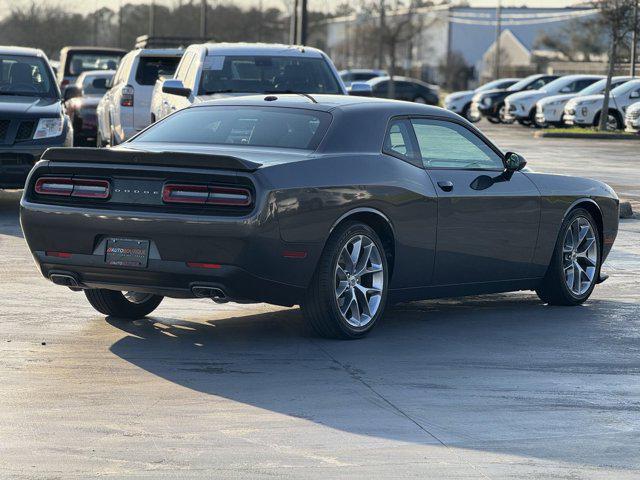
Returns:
<point x="309" y="97"/>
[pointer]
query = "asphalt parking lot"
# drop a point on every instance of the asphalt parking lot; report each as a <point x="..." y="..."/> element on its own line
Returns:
<point x="498" y="386"/>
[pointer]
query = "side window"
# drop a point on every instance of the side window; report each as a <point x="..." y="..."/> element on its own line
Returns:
<point x="446" y="144"/>
<point x="397" y="141"/>
<point x="123" y="70"/>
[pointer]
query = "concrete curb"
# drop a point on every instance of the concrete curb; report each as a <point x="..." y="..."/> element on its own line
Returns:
<point x="592" y="136"/>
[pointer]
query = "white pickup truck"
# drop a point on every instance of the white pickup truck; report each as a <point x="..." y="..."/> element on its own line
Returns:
<point x="211" y="71"/>
<point x="125" y="108"/>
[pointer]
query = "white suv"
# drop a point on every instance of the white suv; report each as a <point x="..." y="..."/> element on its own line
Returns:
<point x="585" y="111"/>
<point x="211" y="71"/>
<point x="550" y="110"/>
<point x="125" y="108"/>
<point x="521" y="106"/>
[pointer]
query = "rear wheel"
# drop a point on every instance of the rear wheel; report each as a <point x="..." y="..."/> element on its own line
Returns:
<point x="575" y="265"/>
<point x="129" y="305"/>
<point x="348" y="292"/>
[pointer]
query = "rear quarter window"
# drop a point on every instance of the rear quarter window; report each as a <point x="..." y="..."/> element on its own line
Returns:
<point x="150" y="68"/>
<point x="249" y="126"/>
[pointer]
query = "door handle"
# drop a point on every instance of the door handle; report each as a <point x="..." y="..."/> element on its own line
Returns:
<point x="447" y="186"/>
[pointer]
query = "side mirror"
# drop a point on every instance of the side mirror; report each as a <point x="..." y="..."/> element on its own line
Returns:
<point x="175" y="87"/>
<point x="514" y="162"/>
<point x="72" y="91"/>
<point x="566" y="90"/>
<point x="99" y="83"/>
<point x="360" y="89"/>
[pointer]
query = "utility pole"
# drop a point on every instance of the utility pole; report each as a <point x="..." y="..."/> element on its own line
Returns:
<point x="203" y="20"/>
<point x="381" y="35"/>
<point x="304" y="22"/>
<point x="634" y="40"/>
<point x="293" y="27"/>
<point x="120" y="25"/>
<point x="152" y="20"/>
<point x="496" y="51"/>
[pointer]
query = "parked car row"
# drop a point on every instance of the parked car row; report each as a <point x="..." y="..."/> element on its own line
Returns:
<point x="544" y="100"/>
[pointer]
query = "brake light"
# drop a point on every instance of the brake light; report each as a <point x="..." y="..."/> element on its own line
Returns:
<point x="203" y="265"/>
<point x="73" y="187"/>
<point x="206" y="194"/>
<point x="64" y="83"/>
<point x="126" y="96"/>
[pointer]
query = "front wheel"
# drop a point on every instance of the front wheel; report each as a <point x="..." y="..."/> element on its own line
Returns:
<point x="348" y="292"/>
<point x="129" y="305"/>
<point x="575" y="264"/>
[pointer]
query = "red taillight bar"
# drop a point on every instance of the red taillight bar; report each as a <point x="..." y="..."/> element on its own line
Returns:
<point x="73" y="187"/>
<point x="206" y="194"/>
<point x="203" y="265"/>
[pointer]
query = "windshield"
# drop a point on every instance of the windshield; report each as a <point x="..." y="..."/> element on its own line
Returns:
<point x="598" y="87"/>
<point x="250" y="126"/>
<point x="501" y="83"/>
<point x="626" y="87"/>
<point x="95" y="84"/>
<point x="522" y="84"/>
<point x="267" y="74"/>
<point x="21" y="75"/>
<point x="85" y="61"/>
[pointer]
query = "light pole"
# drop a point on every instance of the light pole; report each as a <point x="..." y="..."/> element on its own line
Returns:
<point x="634" y="40"/>
<point x="203" y="20"/>
<point x="496" y="51"/>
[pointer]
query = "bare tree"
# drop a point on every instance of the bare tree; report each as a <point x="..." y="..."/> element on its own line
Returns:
<point x="399" y="23"/>
<point x="616" y="16"/>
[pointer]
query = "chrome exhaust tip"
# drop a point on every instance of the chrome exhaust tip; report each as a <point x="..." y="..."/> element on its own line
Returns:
<point x="214" y="293"/>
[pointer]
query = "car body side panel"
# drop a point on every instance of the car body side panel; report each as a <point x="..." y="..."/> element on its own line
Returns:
<point x="307" y="210"/>
<point x="559" y="194"/>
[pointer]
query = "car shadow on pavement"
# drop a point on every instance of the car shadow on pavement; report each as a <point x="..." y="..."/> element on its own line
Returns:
<point x="500" y="373"/>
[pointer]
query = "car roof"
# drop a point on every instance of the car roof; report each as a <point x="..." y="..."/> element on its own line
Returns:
<point x="362" y="70"/>
<point x="88" y="73"/>
<point x="396" y="78"/>
<point x="273" y="49"/>
<point x="32" y="52"/>
<point x="93" y="49"/>
<point x="169" y="52"/>
<point x="327" y="103"/>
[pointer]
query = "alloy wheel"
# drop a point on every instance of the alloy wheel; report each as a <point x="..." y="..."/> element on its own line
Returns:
<point x="612" y="122"/>
<point x="579" y="256"/>
<point x="359" y="280"/>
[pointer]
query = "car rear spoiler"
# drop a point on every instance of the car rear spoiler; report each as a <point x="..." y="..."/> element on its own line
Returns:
<point x="136" y="157"/>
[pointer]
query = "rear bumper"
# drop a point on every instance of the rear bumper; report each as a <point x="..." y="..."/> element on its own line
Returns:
<point x="169" y="278"/>
<point x="252" y="261"/>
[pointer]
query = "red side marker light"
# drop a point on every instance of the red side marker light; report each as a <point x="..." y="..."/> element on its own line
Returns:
<point x="294" y="254"/>
<point x="202" y="265"/>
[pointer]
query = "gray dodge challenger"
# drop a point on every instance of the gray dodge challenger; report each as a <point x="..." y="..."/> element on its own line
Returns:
<point x="338" y="204"/>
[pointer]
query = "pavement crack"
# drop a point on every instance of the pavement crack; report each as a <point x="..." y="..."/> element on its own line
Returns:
<point x="356" y="375"/>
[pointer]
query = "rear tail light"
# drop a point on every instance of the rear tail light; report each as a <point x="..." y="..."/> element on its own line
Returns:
<point x="64" y="83"/>
<point x="58" y="254"/>
<point x="126" y="96"/>
<point x="73" y="187"/>
<point x="206" y="194"/>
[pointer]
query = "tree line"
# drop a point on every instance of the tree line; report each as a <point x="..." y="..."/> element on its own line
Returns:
<point x="51" y="27"/>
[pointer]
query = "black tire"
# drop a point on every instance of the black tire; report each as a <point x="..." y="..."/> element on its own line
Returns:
<point x="614" y="114"/>
<point x="99" y="141"/>
<point x="553" y="289"/>
<point x="494" y="120"/>
<point x="114" y="303"/>
<point x="320" y="306"/>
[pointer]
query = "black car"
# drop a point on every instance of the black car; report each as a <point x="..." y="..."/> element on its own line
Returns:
<point x="408" y="89"/>
<point x="490" y="103"/>
<point x="32" y="117"/>
<point x="336" y="203"/>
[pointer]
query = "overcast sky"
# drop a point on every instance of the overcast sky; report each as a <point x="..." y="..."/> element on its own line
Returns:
<point x="88" y="5"/>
